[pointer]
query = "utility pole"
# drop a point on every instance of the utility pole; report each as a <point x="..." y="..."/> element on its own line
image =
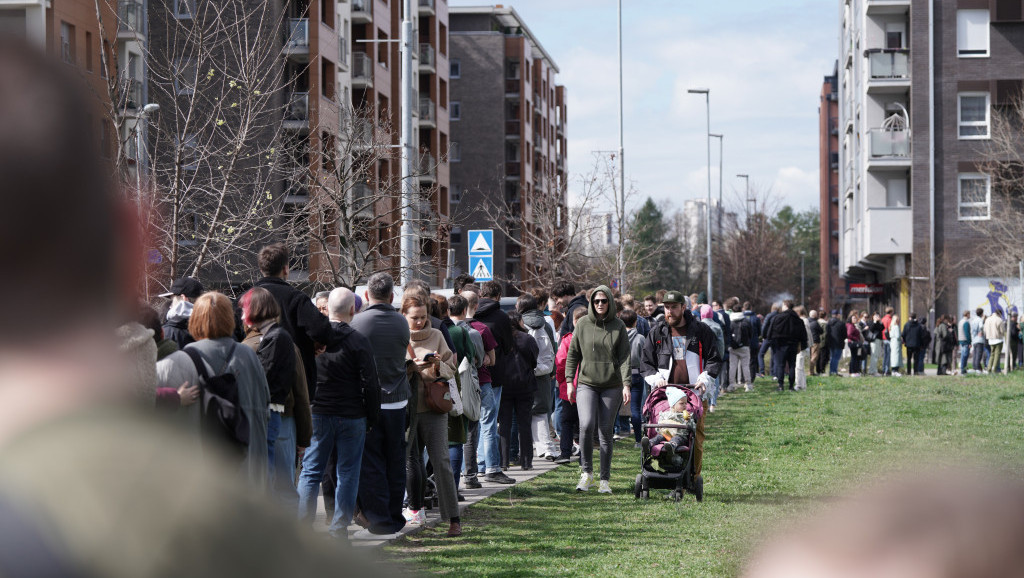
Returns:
<point x="707" y="214"/>
<point x="408" y="242"/>
<point x="802" y="298"/>
<point x="622" y="172"/>
<point x="719" y="211"/>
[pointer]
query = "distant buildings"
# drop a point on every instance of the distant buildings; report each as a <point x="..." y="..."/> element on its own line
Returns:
<point x="833" y="287"/>
<point x="905" y="212"/>
<point x="692" y="227"/>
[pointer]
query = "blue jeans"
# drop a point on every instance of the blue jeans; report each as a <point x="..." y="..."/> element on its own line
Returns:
<point x="283" y="464"/>
<point x="886" y="352"/>
<point x="965" y="352"/>
<point x="489" y="448"/>
<point x="765" y="345"/>
<point x="556" y="409"/>
<point x="833" y="362"/>
<point x="455" y="456"/>
<point x="382" y="480"/>
<point x="636" y="405"/>
<point x="347" y="436"/>
<point x="273" y="427"/>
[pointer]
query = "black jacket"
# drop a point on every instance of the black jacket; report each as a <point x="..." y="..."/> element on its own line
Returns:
<point x="277" y="356"/>
<point x="787" y="327"/>
<point x="913" y="334"/>
<point x="657" y="353"/>
<point x="836" y="333"/>
<point x="567" y="324"/>
<point x="766" y="327"/>
<point x="522" y="362"/>
<point x="490" y="314"/>
<point x="816" y="331"/>
<point x="176" y="329"/>
<point x="302" y="320"/>
<point x="347" y="383"/>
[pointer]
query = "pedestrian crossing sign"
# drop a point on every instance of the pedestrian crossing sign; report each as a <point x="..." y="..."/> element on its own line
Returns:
<point x="481" y="242"/>
<point x="481" y="268"/>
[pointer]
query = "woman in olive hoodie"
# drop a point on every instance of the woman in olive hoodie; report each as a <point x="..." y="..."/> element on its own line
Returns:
<point x="600" y="351"/>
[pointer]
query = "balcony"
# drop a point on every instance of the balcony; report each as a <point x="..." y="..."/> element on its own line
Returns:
<point x="889" y="69"/>
<point x="362" y="200"/>
<point x="297" y="39"/>
<point x="426" y="7"/>
<point x="427" y="61"/>
<point x="513" y="170"/>
<point x="428" y="117"/>
<point x="362" y="11"/>
<point x="888" y="231"/>
<point x="890" y="144"/>
<point x="513" y="129"/>
<point x="560" y="128"/>
<point x="833" y="126"/>
<point x="426" y="168"/>
<point x="512" y="87"/>
<point x="888" y="6"/>
<point x="296" y="116"/>
<point x="131" y="20"/>
<point x="362" y="134"/>
<point x="560" y="163"/>
<point x="362" y="70"/>
<point x="131" y="95"/>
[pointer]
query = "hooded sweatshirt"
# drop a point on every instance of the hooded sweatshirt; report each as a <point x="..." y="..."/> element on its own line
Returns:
<point x="534" y="322"/>
<point x="600" y="347"/>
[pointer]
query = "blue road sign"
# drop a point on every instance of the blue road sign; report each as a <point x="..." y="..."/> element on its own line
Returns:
<point x="482" y="268"/>
<point x="481" y="242"/>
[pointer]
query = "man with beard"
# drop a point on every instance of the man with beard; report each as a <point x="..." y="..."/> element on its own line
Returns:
<point x="685" y="347"/>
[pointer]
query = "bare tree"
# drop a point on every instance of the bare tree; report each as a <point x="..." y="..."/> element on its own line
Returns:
<point x="755" y="257"/>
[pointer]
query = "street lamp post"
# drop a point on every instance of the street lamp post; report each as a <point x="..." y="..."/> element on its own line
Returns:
<point x="622" y="172"/>
<point x="707" y="221"/>
<point x="719" y="210"/>
<point x="802" y="254"/>
<point x="747" y="179"/>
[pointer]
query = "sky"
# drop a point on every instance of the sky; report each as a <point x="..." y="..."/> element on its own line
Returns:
<point x="763" y="61"/>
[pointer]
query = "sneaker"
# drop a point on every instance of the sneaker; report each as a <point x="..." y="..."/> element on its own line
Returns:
<point x="711" y="409"/>
<point x="562" y="460"/>
<point x="498" y="478"/>
<point x="575" y="449"/>
<point x="748" y="387"/>
<point x="604" y="487"/>
<point x="473" y="483"/>
<point x="414" y="517"/>
<point x="365" y="534"/>
<point x="586" y="482"/>
<point x="549" y="457"/>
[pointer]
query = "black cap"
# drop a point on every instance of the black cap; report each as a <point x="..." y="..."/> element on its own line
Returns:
<point x="186" y="286"/>
<point x="675" y="297"/>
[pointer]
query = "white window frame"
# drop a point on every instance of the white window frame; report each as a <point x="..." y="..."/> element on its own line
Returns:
<point x="988" y="196"/>
<point x="454" y="68"/>
<point x="963" y="50"/>
<point x="190" y="9"/>
<point x="455" y="110"/>
<point x="455" y="152"/>
<point x="987" y="123"/>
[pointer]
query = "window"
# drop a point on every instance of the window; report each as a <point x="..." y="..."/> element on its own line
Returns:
<point x="442" y="94"/>
<point x="184" y="8"/>
<point x="442" y="39"/>
<point x="972" y="33"/>
<point x="455" y="153"/>
<point x="455" y="111"/>
<point x="455" y="196"/>
<point x="456" y="235"/>
<point x="67" y="43"/>
<point x="975" y="197"/>
<point x="455" y="68"/>
<point x="185" y="73"/>
<point x="187" y="148"/>
<point x="88" y="51"/>
<point x="973" y="115"/>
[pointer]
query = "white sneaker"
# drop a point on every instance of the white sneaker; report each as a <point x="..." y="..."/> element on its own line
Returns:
<point x="748" y="387"/>
<point x="896" y="374"/>
<point x="604" y="488"/>
<point x="586" y="482"/>
<point x="414" y="517"/>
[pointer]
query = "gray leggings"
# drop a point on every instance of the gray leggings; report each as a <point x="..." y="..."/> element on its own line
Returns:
<point x="598" y="409"/>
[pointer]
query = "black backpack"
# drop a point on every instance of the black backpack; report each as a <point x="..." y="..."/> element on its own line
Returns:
<point x="741" y="333"/>
<point x="221" y="417"/>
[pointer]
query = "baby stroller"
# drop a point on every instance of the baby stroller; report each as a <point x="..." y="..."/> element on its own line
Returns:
<point x="669" y="479"/>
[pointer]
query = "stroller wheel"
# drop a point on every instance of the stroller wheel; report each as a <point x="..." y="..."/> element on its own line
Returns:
<point x="698" y="488"/>
<point x="638" y="486"/>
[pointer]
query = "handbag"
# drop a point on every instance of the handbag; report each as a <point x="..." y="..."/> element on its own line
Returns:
<point x="437" y="393"/>
<point x="457" y="406"/>
<point x="470" y="390"/>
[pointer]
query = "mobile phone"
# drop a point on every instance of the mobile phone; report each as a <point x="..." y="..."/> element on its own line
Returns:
<point x="429" y="357"/>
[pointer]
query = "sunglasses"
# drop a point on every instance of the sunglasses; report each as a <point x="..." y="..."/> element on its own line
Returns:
<point x="600" y="301"/>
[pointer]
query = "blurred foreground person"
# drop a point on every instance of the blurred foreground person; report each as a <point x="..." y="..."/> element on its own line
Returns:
<point x="90" y="483"/>
<point x="931" y="525"/>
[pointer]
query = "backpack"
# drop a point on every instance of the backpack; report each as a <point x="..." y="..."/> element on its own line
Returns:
<point x="221" y="417"/>
<point x="741" y="333"/>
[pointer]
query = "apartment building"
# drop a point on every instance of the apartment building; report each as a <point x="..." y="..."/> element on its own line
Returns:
<point x="833" y="287"/>
<point x="508" y="137"/>
<point x="918" y="82"/>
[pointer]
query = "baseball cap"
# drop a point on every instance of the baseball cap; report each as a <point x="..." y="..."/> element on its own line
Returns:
<point x="835" y="312"/>
<point x="187" y="286"/>
<point x="674" y="297"/>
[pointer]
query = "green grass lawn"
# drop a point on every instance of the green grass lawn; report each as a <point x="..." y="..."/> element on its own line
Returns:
<point x="768" y="456"/>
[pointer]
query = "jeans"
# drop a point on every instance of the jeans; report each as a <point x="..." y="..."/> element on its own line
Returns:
<point x="965" y="353"/>
<point x="520" y="405"/>
<point x="784" y="362"/>
<point x="556" y="409"/>
<point x="886" y="353"/>
<point x="875" y="346"/>
<point x="833" y="362"/>
<point x="598" y="409"/>
<point x="636" y="405"/>
<point x="347" y="435"/>
<point x="915" y="367"/>
<point x="978" y="356"/>
<point x="765" y="345"/>
<point x="570" y="422"/>
<point x="469" y="449"/>
<point x="382" y="483"/>
<point x="273" y="427"/>
<point x="455" y="457"/>
<point x="488" y="448"/>
<point x="283" y="480"/>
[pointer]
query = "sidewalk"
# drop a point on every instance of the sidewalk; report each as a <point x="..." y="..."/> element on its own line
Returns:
<point x="540" y="466"/>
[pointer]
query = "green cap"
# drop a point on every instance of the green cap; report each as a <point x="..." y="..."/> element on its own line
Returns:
<point x="674" y="297"/>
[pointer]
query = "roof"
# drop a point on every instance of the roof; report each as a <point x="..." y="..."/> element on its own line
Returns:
<point x="509" y="18"/>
